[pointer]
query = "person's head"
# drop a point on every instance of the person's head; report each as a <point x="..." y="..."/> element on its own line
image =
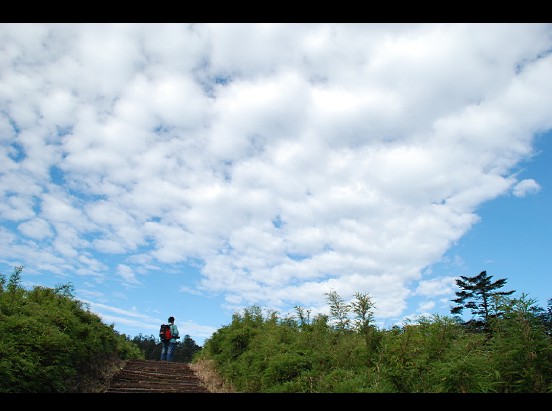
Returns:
<point x="171" y="320"/>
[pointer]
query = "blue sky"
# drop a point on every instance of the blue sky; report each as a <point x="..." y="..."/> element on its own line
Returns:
<point x="194" y="170"/>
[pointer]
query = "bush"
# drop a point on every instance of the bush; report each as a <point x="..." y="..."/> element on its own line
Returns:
<point x="50" y="343"/>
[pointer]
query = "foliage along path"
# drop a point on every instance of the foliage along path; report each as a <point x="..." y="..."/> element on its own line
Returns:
<point x="150" y="376"/>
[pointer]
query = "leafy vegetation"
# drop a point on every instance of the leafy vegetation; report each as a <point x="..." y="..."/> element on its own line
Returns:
<point x="510" y="353"/>
<point x="50" y="342"/>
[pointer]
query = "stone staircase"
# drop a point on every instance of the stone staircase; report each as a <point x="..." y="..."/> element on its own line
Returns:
<point x="150" y="376"/>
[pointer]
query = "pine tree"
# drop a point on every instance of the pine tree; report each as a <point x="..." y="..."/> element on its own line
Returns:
<point x="477" y="294"/>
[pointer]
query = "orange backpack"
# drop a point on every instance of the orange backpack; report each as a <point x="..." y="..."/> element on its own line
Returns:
<point x="165" y="332"/>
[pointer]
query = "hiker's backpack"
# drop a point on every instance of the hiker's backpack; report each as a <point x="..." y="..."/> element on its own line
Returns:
<point x="165" y="332"/>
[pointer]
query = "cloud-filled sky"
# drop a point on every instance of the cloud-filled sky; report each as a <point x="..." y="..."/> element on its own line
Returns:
<point x="197" y="169"/>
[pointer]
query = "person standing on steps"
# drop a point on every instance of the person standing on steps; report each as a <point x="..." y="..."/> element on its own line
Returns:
<point x="168" y="346"/>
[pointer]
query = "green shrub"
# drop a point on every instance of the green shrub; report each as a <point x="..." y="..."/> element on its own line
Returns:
<point x="50" y="343"/>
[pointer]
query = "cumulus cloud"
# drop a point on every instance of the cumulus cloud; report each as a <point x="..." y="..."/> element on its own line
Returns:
<point x="36" y="228"/>
<point x="126" y="274"/>
<point x="526" y="187"/>
<point x="289" y="159"/>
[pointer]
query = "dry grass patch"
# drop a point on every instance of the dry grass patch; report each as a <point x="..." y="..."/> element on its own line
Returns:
<point x="206" y="371"/>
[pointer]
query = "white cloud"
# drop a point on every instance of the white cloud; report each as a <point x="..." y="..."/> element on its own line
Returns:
<point x="526" y="187"/>
<point x="289" y="159"/>
<point x="36" y="228"/>
<point x="126" y="273"/>
<point x="435" y="287"/>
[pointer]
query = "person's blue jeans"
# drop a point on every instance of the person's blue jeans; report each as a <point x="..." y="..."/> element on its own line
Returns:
<point x="167" y="350"/>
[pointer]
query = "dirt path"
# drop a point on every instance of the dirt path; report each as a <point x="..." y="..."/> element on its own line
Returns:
<point x="150" y="376"/>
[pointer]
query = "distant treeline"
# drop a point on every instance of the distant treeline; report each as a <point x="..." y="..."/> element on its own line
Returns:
<point x="151" y="347"/>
